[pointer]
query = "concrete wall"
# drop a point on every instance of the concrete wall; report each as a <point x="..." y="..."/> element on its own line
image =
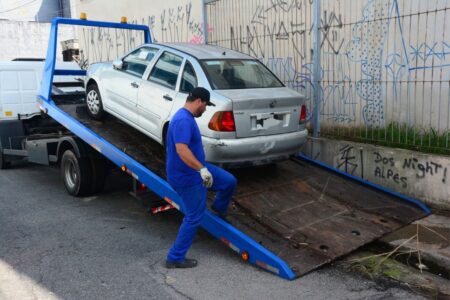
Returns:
<point x="421" y="176"/>
<point x="28" y="39"/>
<point x="169" y="21"/>
<point x="38" y="10"/>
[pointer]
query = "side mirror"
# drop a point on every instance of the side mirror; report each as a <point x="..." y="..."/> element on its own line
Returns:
<point x="118" y="64"/>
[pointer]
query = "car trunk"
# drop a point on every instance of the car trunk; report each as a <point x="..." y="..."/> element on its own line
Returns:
<point x="264" y="111"/>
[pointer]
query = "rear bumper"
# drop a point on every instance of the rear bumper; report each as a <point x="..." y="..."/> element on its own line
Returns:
<point x="253" y="151"/>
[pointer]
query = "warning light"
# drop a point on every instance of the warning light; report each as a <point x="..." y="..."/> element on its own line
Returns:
<point x="142" y="186"/>
<point x="123" y="168"/>
<point x="123" y="20"/>
<point x="245" y="256"/>
<point x="83" y="16"/>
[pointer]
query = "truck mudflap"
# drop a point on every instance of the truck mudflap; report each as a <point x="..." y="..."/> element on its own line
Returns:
<point x="288" y="218"/>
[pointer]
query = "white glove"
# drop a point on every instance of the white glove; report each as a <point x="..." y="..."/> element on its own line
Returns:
<point x="206" y="177"/>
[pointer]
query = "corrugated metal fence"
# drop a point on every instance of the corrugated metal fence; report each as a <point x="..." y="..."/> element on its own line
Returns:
<point x="385" y="64"/>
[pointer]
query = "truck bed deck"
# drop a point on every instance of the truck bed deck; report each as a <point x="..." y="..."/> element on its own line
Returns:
<point x="302" y="213"/>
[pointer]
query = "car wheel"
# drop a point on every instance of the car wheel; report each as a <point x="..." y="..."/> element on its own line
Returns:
<point x="94" y="103"/>
<point x="76" y="174"/>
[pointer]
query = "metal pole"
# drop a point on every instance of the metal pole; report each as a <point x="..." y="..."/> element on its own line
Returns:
<point x="316" y="68"/>
<point x="205" y="22"/>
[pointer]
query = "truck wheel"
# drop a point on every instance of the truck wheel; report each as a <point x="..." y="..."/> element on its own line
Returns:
<point x="94" y="103"/>
<point x="76" y="174"/>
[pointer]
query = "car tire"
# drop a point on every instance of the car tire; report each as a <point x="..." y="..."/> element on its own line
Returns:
<point x="76" y="173"/>
<point x="94" y="103"/>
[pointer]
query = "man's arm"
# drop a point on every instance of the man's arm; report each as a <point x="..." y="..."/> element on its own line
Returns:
<point x="187" y="157"/>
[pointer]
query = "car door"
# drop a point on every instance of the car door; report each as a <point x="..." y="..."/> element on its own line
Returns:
<point x="121" y="85"/>
<point x="157" y="93"/>
<point x="188" y="82"/>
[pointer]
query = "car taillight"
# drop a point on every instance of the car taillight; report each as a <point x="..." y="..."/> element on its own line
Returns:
<point x="302" y="119"/>
<point x="222" y="121"/>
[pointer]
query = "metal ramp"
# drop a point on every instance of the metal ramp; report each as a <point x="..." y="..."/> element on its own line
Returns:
<point x="304" y="214"/>
<point x="288" y="219"/>
<point x="309" y="216"/>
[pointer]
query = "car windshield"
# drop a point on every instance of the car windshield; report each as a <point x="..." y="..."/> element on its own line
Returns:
<point x="226" y="74"/>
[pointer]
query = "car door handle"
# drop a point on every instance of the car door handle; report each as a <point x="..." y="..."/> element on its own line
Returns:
<point x="167" y="97"/>
<point x="135" y="85"/>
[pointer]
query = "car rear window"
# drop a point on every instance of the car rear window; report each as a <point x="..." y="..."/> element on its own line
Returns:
<point x="239" y="74"/>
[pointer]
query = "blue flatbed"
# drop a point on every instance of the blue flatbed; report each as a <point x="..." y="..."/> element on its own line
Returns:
<point x="288" y="218"/>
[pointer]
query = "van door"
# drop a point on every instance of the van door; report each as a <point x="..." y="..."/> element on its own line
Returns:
<point x="18" y="90"/>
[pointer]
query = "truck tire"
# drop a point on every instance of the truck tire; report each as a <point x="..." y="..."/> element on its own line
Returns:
<point x="94" y="103"/>
<point x="76" y="173"/>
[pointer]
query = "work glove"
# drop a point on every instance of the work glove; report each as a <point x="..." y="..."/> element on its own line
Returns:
<point x="206" y="177"/>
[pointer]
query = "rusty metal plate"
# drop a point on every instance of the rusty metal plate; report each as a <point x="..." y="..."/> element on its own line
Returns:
<point x="309" y="216"/>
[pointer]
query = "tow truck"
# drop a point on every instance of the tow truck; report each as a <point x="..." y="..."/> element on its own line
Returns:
<point x="288" y="219"/>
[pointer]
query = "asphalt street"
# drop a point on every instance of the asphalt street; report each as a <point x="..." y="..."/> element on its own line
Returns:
<point x="54" y="246"/>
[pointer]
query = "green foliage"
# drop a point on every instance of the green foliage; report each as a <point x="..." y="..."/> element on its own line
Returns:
<point x="394" y="135"/>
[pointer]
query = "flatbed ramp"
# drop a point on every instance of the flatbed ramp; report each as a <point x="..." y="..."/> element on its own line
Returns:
<point x="304" y="214"/>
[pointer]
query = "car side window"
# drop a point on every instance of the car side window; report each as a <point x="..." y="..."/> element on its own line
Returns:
<point x="137" y="61"/>
<point x="189" y="79"/>
<point x="166" y="69"/>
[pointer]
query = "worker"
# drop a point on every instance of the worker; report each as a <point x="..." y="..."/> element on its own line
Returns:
<point x="191" y="176"/>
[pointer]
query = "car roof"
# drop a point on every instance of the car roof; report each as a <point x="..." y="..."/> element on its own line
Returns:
<point x="201" y="51"/>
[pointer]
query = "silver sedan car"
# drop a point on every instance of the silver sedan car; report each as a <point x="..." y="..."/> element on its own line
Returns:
<point x="256" y="120"/>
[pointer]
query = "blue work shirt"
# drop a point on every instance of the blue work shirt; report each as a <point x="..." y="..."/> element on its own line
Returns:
<point x="183" y="129"/>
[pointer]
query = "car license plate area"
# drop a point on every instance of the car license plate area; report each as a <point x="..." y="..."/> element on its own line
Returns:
<point x="270" y="120"/>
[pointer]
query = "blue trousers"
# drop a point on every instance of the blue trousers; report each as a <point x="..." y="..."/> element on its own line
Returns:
<point x="194" y="198"/>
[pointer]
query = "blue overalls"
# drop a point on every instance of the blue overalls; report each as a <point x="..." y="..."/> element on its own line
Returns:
<point x="188" y="183"/>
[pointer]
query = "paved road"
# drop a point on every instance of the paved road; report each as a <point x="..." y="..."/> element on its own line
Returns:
<point x="54" y="246"/>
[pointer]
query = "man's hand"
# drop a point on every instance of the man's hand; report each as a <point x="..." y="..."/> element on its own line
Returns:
<point x="206" y="177"/>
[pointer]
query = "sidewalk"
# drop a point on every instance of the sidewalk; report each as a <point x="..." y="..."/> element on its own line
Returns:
<point x="416" y="256"/>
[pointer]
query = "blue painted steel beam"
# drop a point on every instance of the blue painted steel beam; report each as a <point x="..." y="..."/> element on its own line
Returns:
<point x="50" y="60"/>
<point x="232" y="237"/>
<point x="70" y="72"/>
<point x="399" y="196"/>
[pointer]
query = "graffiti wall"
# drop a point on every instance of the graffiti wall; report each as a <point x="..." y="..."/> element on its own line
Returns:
<point x="417" y="175"/>
<point x="169" y="21"/>
<point x="382" y="61"/>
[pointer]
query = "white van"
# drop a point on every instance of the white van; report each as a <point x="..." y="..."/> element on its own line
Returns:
<point x="20" y="82"/>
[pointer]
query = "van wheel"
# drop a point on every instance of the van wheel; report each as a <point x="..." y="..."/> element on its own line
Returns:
<point x="94" y="103"/>
<point x="76" y="174"/>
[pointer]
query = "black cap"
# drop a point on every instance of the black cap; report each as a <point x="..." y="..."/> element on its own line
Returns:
<point x="201" y="93"/>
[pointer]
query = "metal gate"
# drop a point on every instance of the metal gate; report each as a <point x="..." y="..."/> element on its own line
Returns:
<point x="384" y="64"/>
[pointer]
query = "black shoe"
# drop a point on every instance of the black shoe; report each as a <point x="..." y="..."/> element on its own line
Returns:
<point x="187" y="263"/>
